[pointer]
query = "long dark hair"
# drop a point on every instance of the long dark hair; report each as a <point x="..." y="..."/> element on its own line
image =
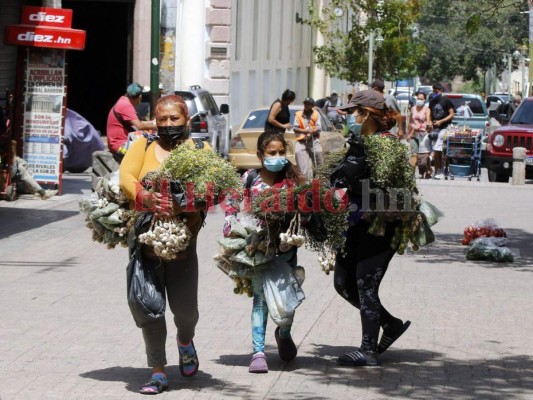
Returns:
<point x="290" y="171"/>
<point x="385" y="119"/>
<point x="288" y="95"/>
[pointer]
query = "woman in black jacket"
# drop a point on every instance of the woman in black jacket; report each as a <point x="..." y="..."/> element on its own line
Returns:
<point x="360" y="269"/>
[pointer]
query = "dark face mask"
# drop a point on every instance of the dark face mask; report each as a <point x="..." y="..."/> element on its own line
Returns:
<point x="171" y="135"/>
<point x="435" y="97"/>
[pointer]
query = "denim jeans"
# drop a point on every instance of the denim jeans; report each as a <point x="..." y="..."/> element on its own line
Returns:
<point x="260" y="309"/>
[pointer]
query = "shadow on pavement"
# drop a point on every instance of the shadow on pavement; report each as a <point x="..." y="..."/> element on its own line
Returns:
<point x="76" y="183"/>
<point x="419" y="374"/>
<point x="135" y="377"/>
<point x="48" y="266"/>
<point x="448" y="249"/>
<point x="16" y="220"/>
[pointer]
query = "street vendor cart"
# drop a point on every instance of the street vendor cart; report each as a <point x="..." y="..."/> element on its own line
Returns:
<point x="463" y="154"/>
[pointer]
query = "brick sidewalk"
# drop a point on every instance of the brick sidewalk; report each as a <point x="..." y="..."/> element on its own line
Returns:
<point x="67" y="332"/>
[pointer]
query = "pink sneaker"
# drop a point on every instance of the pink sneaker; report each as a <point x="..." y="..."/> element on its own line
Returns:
<point x="258" y="365"/>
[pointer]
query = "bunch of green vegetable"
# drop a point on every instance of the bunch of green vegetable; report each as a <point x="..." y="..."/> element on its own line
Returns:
<point x="107" y="214"/>
<point x="246" y="250"/>
<point x="401" y="204"/>
<point x="201" y="172"/>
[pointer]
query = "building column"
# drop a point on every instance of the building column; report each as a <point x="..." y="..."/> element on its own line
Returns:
<point x="191" y="40"/>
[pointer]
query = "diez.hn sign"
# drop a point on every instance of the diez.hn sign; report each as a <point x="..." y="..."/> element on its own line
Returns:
<point x="45" y="27"/>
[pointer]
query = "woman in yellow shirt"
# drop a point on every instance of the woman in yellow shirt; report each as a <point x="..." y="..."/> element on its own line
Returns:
<point x="178" y="277"/>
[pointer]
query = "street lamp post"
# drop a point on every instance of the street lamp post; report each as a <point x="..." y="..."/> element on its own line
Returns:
<point x="525" y="88"/>
<point x="508" y="58"/>
<point x="521" y="57"/>
<point x="371" y="39"/>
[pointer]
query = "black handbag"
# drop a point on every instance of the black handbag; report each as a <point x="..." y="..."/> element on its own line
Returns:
<point x="146" y="298"/>
<point x="433" y="135"/>
<point x="352" y="169"/>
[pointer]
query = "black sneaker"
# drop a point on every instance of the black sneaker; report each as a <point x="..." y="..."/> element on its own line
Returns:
<point x="359" y="358"/>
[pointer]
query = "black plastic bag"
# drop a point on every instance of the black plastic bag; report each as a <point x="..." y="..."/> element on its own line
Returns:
<point x="146" y="299"/>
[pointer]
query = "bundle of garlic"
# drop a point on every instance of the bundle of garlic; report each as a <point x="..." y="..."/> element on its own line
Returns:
<point x="292" y="237"/>
<point x="327" y="260"/>
<point x="167" y="237"/>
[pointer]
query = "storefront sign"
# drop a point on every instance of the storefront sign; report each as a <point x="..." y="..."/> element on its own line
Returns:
<point x="37" y="36"/>
<point x="45" y="27"/>
<point x="42" y="16"/>
<point x="43" y="113"/>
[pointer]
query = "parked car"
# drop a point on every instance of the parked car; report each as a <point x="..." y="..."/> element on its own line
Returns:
<point x="479" y="119"/>
<point x="207" y="120"/>
<point x="405" y="100"/>
<point x="425" y="89"/>
<point x="519" y="133"/>
<point x="243" y="149"/>
<point x="494" y="100"/>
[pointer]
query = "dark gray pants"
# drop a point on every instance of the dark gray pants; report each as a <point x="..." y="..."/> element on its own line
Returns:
<point x="179" y="278"/>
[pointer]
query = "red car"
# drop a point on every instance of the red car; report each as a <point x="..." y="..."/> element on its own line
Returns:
<point x="519" y="133"/>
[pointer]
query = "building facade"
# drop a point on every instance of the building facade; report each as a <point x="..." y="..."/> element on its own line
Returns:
<point x="245" y="52"/>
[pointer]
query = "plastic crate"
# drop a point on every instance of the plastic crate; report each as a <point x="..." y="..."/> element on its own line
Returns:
<point x="460" y="170"/>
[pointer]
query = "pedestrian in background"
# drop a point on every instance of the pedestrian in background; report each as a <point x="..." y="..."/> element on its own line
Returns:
<point x="360" y="269"/>
<point x="178" y="277"/>
<point x="123" y="119"/>
<point x="392" y="104"/>
<point x="18" y="170"/>
<point x="417" y="134"/>
<point x="330" y="108"/>
<point x="442" y="113"/>
<point x="307" y="127"/>
<point x="279" y="116"/>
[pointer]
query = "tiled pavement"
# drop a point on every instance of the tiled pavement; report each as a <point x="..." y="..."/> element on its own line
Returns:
<point x="66" y="331"/>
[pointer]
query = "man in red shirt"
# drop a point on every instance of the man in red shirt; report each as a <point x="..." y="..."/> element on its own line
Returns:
<point x="123" y="119"/>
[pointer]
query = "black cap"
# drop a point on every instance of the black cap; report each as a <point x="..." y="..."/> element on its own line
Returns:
<point x="309" y="100"/>
<point x="438" y="86"/>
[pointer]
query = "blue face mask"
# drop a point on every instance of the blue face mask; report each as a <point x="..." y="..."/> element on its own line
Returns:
<point x="435" y="97"/>
<point x="353" y="126"/>
<point x="275" y="163"/>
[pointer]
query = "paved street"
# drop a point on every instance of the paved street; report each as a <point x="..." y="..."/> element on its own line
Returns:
<point x="67" y="332"/>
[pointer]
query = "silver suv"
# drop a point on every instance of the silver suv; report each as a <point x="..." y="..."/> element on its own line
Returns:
<point x="207" y="120"/>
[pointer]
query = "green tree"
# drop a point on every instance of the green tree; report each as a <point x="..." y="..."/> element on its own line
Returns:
<point x="466" y="37"/>
<point x="345" y="51"/>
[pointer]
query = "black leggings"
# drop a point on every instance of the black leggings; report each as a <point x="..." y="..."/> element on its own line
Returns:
<point x="358" y="274"/>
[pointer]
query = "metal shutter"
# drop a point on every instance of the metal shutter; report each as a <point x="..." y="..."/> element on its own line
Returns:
<point x="9" y="14"/>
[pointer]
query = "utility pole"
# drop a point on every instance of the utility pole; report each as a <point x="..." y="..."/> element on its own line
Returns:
<point x="370" y="56"/>
<point x="529" y="91"/>
<point x="154" y="55"/>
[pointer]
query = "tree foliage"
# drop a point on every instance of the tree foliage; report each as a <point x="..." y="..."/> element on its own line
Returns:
<point x="344" y="53"/>
<point x="465" y="37"/>
<point x="434" y="39"/>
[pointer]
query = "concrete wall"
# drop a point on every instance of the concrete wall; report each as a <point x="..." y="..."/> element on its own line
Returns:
<point x="270" y="52"/>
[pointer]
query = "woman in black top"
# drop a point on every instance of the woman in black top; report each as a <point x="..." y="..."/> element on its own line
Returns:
<point x="279" y="116"/>
<point x="359" y="271"/>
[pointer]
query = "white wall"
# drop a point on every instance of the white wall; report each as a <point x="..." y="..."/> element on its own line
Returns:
<point x="270" y="52"/>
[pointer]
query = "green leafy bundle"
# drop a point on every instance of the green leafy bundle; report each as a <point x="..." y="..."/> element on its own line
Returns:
<point x="107" y="214"/>
<point x="390" y="170"/>
<point x="205" y="170"/>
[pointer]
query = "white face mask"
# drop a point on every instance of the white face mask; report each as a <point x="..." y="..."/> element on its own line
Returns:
<point x="420" y="102"/>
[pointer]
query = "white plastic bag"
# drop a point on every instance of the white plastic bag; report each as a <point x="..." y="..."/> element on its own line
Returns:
<point x="282" y="291"/>
<point x="464" y="111"/>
